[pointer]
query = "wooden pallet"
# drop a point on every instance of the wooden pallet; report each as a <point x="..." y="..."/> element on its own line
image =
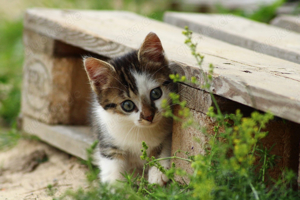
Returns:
<point x="242" y="78"/>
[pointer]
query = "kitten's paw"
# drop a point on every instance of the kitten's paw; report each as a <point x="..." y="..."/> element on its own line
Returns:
<point x="111" y="178"/>
<point x="156" y="176"/>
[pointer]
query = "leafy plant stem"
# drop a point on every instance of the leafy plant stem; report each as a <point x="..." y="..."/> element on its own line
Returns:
<point x="254" y="191"/>
<point x="215" y="103"/>
<point x="254" y="147"/>
<point x="264" y="166"/>
<point x="168" y="158"/>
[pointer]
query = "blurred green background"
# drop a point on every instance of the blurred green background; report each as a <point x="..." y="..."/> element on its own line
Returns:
<point x="11" y="48"/>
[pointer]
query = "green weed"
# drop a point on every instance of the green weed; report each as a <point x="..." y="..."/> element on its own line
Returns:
<point x="93" y="172"/>
<point x="51" y="189"/>
<point x="11" y="58"/>
<point x="9" y="137"/>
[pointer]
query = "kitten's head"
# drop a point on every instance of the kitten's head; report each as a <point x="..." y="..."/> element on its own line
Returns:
<point x="134" y="85"/>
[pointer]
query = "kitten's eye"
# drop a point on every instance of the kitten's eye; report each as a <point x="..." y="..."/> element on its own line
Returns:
<point x="155" y="93"/>
<point x="127" y="106"/>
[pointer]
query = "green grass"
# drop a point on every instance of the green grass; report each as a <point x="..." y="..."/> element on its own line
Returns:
<point x="9" y="138"/>
<point x="11" y="59"/>
<point x="225" y="171"/>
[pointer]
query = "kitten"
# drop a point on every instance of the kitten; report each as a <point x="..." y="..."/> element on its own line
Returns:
<point x="127" y="109"/>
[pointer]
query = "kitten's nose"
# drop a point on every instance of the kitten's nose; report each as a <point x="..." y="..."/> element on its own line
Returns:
<point x="149" y="118"/>
<point x="147" y="113"/>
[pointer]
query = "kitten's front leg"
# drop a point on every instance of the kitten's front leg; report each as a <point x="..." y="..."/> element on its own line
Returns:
<point x="155" y="175"/>
<point x="111" y="169"/>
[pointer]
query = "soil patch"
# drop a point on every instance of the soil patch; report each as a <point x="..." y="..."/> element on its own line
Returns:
<point x="27" y="170"/>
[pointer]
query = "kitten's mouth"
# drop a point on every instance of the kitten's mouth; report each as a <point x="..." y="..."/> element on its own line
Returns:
<point x="145" y="123"/>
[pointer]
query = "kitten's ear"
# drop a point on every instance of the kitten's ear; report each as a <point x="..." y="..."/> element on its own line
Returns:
<point x="151" y="49"/>
<point x="99" y="72"/>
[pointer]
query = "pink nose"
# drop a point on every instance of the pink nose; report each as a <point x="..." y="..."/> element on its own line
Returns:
<point x="149" y="118"/>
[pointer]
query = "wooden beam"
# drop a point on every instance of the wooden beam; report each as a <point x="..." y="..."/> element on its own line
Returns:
<point x="243" y="32"/>
<point x="71" y="139"/>
<point x="289" y="22"/>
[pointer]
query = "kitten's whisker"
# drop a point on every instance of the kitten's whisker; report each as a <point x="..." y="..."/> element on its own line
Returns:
<point x="133" y="126"/>
<point x="138" y="134"/>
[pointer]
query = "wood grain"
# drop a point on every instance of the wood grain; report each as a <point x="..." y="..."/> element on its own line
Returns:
<point x="243" y="32"/>
<point x="55" y="88"/>
<point x="260" y="81"/>
<point x="187" y="139"/>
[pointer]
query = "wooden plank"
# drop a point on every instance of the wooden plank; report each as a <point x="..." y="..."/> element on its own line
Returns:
<point x="239" y="31"/>
<point x="200" y="101"/>
<point x="229" y="4"/>
<point x="253" y="79"/>
<point x="186" y="141"/>
<point x="289" y="22"/>
<point x="288" y="8"/>
<point x="196" y="99"/>
<point x="71" y="139"/>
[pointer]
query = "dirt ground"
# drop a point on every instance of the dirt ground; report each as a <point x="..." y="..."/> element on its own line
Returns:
<point x="27" y="169"/>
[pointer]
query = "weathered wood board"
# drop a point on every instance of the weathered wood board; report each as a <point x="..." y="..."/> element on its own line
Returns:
<point x="260" y="81"/>
<point x="289" y="22"/>
<point x="71" y="139"/>
<point x="243" y="32"/>
<point x="229" y="4"/>
<point x="185" y="140"/>
<point x="290" y="7"/>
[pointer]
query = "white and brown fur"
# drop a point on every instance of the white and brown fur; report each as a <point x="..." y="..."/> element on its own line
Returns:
<point x="120" y="133"/>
